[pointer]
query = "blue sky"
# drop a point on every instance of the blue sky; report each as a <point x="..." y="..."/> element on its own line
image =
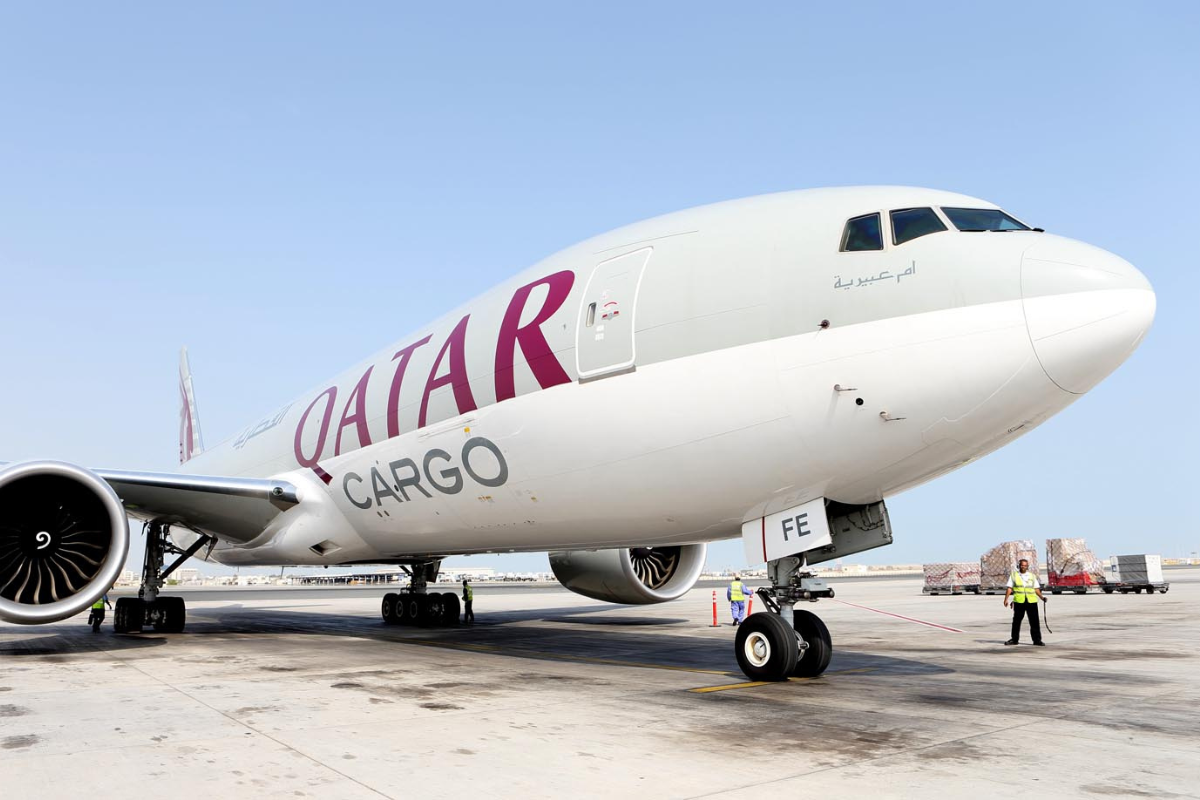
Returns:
<point x="286" y="187"/>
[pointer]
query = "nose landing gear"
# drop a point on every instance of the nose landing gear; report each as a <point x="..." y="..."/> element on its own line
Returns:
<point x="785" y="642"/>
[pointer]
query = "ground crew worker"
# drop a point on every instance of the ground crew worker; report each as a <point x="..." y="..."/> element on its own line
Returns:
<point x="1025" y="591"/>
<point x="468" y="596"/>
<point x="97" y="615"/>
<point x="736" y="594"/>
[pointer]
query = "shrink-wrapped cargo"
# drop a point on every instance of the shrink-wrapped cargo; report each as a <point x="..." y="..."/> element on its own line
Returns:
<point x="998" y="563"/>
<point x="938" y="576"/>
<point x="951" y="576"/>
<point x="1070" y="564"/>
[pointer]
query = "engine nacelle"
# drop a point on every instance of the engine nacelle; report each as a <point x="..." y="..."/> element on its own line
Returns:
<point x="63" y="540"/>
<point x="635" y="576"/>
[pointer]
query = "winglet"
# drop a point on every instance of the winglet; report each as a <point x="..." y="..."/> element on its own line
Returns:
<point x="191" y="443"/>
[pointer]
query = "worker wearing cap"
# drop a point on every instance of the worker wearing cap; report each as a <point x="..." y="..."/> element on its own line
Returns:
<point x="736" y="594"/>
<point x="1025" y="591"/>
<point x="468" y="599"/>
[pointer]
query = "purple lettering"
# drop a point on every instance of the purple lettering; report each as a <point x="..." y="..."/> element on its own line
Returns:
<point x="393" y="409"/>
<point x="456" y="376"/>
<point x="357" y="398"/>
<point x="542" y="362"/>
<point x="306" y="461"/>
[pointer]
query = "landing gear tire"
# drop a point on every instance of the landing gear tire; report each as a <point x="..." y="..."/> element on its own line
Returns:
<point x="167" y="614"/>
<point x="435" y="609"/>
<point x="414" y="609"/>
<point x="766" y="648"/>
<point x="388" y="608"/>
<point x="129" y="615"/>
<point x="453" y="609"/>
<point x="812" y="630"/>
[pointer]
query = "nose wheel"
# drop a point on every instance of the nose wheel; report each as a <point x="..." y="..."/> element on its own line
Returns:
<point x="784" y="642"/>
<point x="767" y="648"/>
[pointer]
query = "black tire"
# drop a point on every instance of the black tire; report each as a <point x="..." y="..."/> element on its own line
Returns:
<point x="435" y="609"/>
<point x="766" y="648"/>
<point x="453" y="609"/>
<point x="1163" y="590"/>
<point x="387" y="608"/>
<point x="414" y="609"/>
<point x="812" y="630"/>
<point x="169" y="614"/>
<point x="1108" y="590"/>
<point x="129" y="615"/>
<point x="1137" y="590"/>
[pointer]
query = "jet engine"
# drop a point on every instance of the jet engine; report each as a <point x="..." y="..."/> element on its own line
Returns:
<point x="635" y="575"/>
<point x="63" y="540"/>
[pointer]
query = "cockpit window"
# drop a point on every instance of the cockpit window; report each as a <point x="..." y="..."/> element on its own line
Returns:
<point x="911" y="223"/>
<point x="982" y="219"/>
<point x="863" y="233"/>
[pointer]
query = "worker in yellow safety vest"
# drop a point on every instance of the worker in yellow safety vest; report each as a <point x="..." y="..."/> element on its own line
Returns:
<point x="1025" y="591"/>
<point x="736" y="594"/>
<point x="97" y="615"/>
<point x="468" y="599"/>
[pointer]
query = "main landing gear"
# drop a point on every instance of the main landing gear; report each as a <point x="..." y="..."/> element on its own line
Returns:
<point x="148" y="610"/>
<point x="417" y="606"/>
<point x="785" y="642"/>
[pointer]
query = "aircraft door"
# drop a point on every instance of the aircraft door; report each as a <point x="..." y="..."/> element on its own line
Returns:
<point x="604" y="339"/>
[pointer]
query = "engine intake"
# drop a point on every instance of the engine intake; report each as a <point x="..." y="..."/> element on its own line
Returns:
<point x="63" y="540"/>
<point x="634" y="576"/>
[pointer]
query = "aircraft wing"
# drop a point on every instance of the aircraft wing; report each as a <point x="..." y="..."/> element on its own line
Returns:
<point x="232" y="509"/>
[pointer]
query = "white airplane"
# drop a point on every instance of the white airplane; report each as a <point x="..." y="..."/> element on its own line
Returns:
<point x="774" y="367"/>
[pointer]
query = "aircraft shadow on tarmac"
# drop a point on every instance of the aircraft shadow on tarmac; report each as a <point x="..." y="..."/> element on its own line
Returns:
<point x="566" y="634"/>
<point x="64" y="643"/>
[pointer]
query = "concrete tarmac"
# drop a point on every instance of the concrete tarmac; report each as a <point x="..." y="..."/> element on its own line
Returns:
<point x="298" y="693"/>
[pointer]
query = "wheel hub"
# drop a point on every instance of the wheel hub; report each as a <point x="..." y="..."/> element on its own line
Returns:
<point x="758" y="649"/>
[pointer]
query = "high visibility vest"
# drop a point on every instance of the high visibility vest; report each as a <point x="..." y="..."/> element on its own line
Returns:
<point x="99" y="603"/>
<point x="468" y="593"/>
<point x="1021" y="592"/>
<point x="737" y="592"/>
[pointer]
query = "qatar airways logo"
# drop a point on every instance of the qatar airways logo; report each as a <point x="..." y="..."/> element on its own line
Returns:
<point x="449" y="368"/>
<point x="480" y="459"/>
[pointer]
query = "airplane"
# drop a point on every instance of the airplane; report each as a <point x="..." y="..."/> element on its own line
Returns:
<point x="773" y="368"/>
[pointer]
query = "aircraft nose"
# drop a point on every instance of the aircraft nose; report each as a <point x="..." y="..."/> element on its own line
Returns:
<point x="1086" y="309"/>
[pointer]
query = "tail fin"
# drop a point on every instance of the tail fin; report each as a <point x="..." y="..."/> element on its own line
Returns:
<point x="191" y="443"/>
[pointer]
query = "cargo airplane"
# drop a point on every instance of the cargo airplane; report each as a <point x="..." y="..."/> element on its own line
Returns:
<point x="772" y="368"/>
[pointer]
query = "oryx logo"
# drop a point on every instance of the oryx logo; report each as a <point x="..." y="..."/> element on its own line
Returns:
<point x="480" y="458"/>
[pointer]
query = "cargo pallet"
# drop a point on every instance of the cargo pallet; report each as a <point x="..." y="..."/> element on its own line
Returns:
<point x="970" y="589"/>
<point x="1072" y="589"/>
<point x="1136" y="588"/>
<point x="1109" y="588"/>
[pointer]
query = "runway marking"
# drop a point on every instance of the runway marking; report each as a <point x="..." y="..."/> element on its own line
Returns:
<point x="751" y="684"/>
<point x="901" y="616"/>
